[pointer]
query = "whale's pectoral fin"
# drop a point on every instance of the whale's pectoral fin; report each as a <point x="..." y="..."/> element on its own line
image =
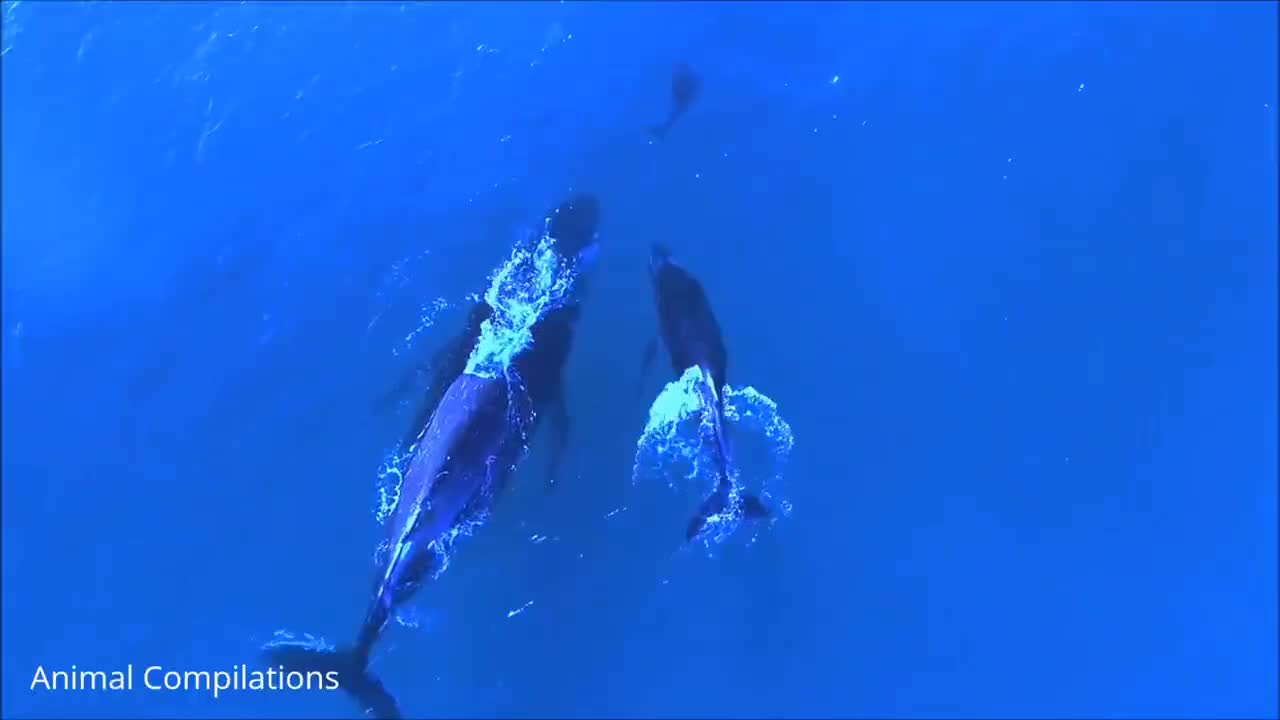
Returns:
<point x="440" y="370"/>
<point x="442" y="362"/>
<point x="450" y="360"/>
<point x="646" y="363"/>
<point x="559" y="435"/>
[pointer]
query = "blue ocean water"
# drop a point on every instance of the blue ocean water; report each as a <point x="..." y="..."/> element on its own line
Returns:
<point x="1009" y="271"/>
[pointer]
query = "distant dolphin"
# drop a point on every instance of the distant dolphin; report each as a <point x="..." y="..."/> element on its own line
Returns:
<point x="686" y="86"/>
<point x="692" y="336"/>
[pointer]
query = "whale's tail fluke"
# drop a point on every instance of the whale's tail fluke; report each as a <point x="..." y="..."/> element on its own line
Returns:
<point x="353" y="675"/>
<point x="717" y="506"/>
<point x="718" y="503"/>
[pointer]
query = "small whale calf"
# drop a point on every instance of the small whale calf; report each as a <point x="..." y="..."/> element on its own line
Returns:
<point x="689" y="330"/>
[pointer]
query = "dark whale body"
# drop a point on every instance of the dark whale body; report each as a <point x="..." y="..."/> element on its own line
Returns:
<point x="473" y="434"/>
<point x="691" y="334"/>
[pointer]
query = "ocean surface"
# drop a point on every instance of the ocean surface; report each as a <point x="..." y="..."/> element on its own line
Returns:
<point x="1008" y="270"/>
